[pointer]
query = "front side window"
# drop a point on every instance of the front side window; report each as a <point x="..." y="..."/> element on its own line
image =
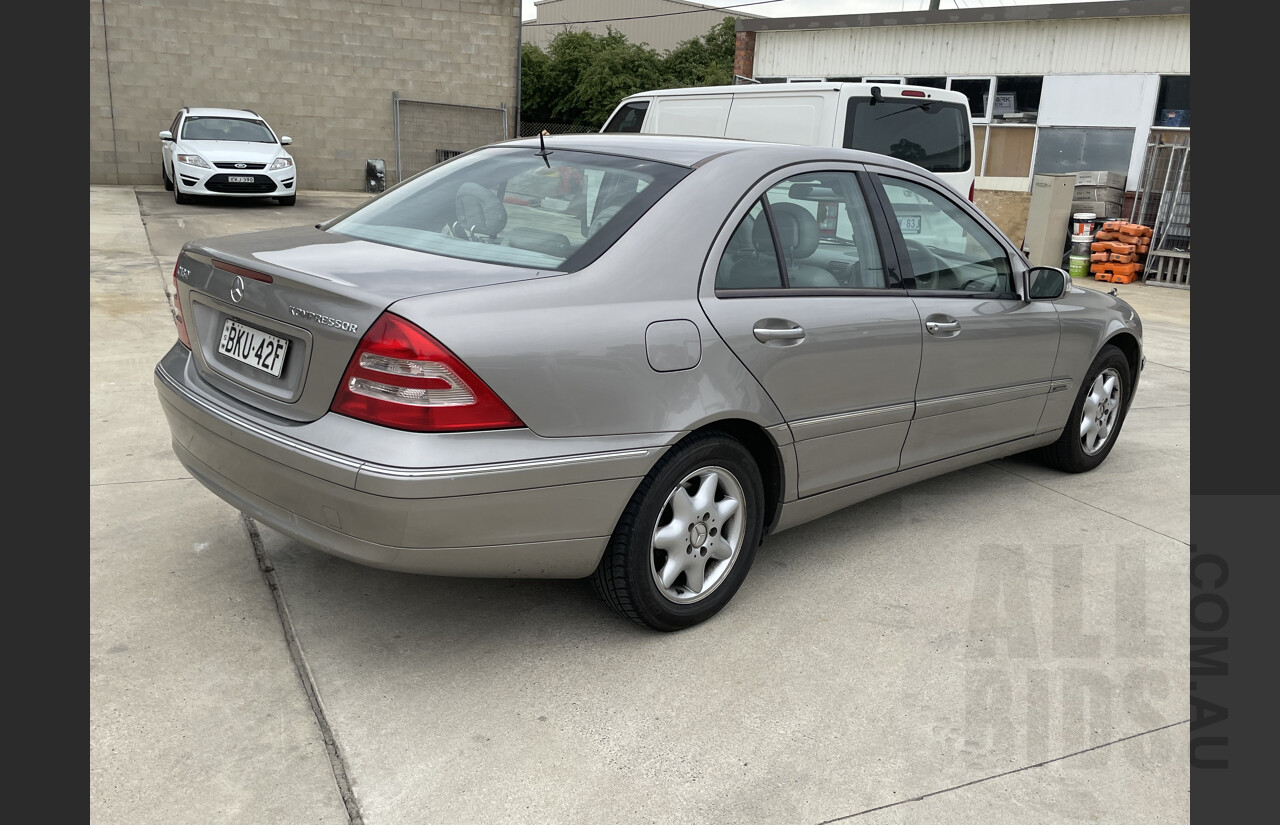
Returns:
<point x="629" y="118"/>
<point x="930" y="134"/>
<point x="516" y="206"/>
<point x="809" y="231"/>
<point x="947" y="248"/>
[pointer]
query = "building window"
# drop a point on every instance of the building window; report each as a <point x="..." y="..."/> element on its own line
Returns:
<point x="1017" y="99"/>
<point x="1065" y="149"/>
<point x="840" y="78"/>
<point x="932" y="82"/>
<point x="978" y="90"/>
<point x="1173" y="106"/>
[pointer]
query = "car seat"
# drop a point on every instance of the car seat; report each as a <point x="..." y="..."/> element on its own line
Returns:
<point x="481" y="215"/>
<point x="798" y="236"/>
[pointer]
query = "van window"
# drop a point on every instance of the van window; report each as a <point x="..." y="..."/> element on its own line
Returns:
<point x="932" y="134"/>
<point x="629" y="118"/>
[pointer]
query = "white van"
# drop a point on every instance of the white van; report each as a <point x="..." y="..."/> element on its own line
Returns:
<point x="929" y="127"/>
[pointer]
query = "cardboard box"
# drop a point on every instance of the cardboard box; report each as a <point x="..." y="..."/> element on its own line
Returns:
<point x="1104" y="210"/>
<point x="1110" y="194"/>
<point x="1115" y="179"/>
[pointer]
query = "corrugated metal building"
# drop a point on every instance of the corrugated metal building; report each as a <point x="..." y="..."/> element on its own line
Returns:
<point x="1052" y="88"/>
<point x="663" y="24"/>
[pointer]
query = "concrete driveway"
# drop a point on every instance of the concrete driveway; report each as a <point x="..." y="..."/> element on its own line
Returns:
<point x="1006" y="644"/>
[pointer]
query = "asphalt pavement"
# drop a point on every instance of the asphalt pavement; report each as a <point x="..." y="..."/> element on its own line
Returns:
<point x="1005" y="644"/>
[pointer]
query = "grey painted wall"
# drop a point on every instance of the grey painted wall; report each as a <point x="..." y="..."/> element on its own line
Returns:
<point x="321" y="71"/>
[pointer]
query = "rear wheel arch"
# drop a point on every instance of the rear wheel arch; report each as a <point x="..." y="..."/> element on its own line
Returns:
<point x="688" y="535"/>
<point x="767" y="458"/>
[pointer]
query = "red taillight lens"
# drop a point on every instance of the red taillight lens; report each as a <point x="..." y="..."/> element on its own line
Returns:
<point x="179" y="321"/>
<point x="401" y="377"/>
<point x="971" y="191"/>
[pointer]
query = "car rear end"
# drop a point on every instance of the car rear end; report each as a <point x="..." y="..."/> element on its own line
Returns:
<point x="306" y="390"/>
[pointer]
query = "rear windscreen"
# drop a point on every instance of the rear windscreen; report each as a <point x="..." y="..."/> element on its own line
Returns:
<point x="931" y="134"/>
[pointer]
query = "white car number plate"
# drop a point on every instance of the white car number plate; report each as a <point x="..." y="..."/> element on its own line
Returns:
<point x="909" y="224"/>
<point x="253" y="347"/>
<point x="240" y="178"/>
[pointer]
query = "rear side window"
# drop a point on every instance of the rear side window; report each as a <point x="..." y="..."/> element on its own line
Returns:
<point x="822" y="228"/>
<point x="930" y="134"/>
<point x="629" y="118"/>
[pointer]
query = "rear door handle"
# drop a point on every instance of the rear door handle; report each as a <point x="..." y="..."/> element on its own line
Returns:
<point x="772" y="329"/>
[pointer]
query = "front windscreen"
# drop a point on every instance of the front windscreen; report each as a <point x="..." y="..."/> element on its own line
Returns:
<point x="931" y="134"/>
<point x="226" y="128"/>
<point x="517" y="206"/>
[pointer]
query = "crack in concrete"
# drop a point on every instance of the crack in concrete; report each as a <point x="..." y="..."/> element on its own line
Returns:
<point x="923" y="797"/>
<point x="336" y="761"/>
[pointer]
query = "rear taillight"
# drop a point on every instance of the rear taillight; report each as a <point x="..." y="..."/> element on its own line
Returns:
<point x="971" y="191"/>
<point x="178" y="320"/>
<point x="401" y="377"/>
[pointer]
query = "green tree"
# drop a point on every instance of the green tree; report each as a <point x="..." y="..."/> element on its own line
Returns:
<point x="616" y="69"/>
<point x="702" y="61"/>
<point x="582" y="76"/>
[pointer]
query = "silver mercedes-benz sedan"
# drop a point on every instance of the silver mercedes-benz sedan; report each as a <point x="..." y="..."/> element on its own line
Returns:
<point x="627" y="357"/>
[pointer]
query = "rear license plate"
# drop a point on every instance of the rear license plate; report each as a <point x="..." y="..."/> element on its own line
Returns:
<point x="909" y="224"/>
<point x="253" y="347"/>
<point x="240" y="178"/>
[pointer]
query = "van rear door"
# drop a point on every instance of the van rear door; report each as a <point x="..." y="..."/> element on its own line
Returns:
<point x="931" y="128"/>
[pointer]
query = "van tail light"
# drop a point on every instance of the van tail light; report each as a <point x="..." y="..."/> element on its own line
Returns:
<point x="403" y="378"/>
<point x="178" y="320"/>
<point x="971" y="191"/>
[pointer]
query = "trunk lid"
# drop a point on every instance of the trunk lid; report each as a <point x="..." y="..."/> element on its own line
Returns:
<point x="275" y="316"/>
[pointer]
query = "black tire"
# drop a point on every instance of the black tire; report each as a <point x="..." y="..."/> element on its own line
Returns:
<point x="164" y="175"/>
<point x="288" y="201"/>
<point x="178" y="197"/>
<point x="718" y="539"/>
<point x="1097" y="416"/>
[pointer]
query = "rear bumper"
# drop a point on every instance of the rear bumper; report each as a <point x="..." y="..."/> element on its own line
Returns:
<point x="529" y="507"/>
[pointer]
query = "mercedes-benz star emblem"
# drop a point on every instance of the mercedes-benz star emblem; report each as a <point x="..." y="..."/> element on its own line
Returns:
<point x="237" y="289"/>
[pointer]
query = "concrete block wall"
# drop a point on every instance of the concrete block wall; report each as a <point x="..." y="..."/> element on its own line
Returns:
<point x="321" y="71"/>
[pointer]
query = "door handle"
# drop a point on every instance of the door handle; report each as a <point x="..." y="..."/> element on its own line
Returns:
<point x="765" y="334"/>
<point x="942" y="325"/>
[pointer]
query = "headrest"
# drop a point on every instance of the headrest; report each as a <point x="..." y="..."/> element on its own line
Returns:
<point x="797" y="231"/>
<point x="479" y="210"/>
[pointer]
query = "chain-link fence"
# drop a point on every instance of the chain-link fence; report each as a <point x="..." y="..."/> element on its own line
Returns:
<point x="428" y="133"/>
<point x="532" y="128"/>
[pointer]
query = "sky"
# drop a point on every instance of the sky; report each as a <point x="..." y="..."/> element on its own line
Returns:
<point x="811" y="8"/>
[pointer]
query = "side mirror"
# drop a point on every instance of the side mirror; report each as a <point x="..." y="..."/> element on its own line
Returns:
<point x="1045" y="283"/>
<point x="285" y="140"/>
<point x="166" y="135"/>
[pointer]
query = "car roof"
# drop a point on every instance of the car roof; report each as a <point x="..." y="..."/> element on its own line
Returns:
<point x="214" y="112"/>
<point x="796" y="88"/>
<point x="688" y="150"/>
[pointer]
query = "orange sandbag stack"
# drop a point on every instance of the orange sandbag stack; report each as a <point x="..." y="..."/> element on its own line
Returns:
<point x="1118" y="251"/>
